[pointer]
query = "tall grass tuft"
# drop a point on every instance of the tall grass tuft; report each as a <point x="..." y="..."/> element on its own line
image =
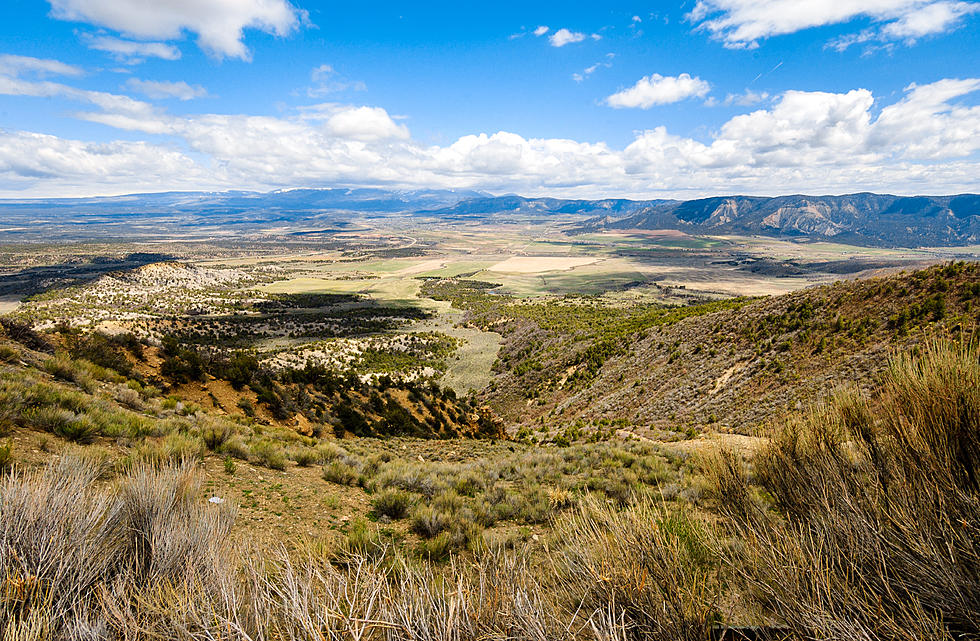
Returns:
<point x="875" y="533"/>
<point x="650" y="568"/>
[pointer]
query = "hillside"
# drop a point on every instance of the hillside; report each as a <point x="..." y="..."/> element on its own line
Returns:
<point x="728" y="365"/>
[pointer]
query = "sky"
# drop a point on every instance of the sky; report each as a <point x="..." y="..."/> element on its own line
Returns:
<point x="625" y="99"/>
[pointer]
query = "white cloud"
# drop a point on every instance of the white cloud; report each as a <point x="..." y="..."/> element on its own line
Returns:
<point x="747" y="98"/>
<point x="364" y="124"/>
<point x="218" y="23"/>
<point x="11" y="65"/>
<point x="163" y="89"/>
<point x="803" y="141"/>
<point x="659" y="90"/>
<point x="326" y="80"/>
<point x="540" y="31"/>
<point x="935" y="17"/>
<point x="131" y="51"/>
<point x="67" y="166"/>
<point x="563" y="37"/>
<point x="742" y="23"/>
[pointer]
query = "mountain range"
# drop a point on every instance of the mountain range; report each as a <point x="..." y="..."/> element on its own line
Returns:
<point x="863" y="218"/>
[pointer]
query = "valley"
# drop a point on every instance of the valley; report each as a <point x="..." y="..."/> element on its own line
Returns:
<point x="420" y="394"/>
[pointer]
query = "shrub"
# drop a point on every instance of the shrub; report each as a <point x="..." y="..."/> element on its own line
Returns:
<point x="428" y="521"/>
<point x="875" y="495"/>
<point x="341" y="473"/>
<point x="235" y="446"/>
<point x="304" y="456"/>
<point x="650" y="569"/>
<point x="47" y="418"/>
<point x="215" y="434"/>
<point x="67" y="370"/>
<point x="65" y="542"/>
<point x="362" y="542"/>
<point x="329" y="452"/>
<point x="175" y="448"/>
<point x="6" y="455"/>
<point x="129" y="397"/>
<point x="392" y="503"/>
<point x="437" y="548"/>
<point x="268" y="454"/>
<point x="78" y="429"/>
<point x="8" y="353"/>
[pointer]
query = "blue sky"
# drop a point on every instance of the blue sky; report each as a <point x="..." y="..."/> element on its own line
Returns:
<point x="614" y="98"/>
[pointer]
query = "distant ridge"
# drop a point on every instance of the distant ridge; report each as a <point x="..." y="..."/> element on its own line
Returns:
<point x="876" y="219"/>
<point x="863" y="218"/>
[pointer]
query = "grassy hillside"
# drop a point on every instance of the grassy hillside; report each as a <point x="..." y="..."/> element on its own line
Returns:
<point x="857" y="521"/>
<point x="729" y="365"/>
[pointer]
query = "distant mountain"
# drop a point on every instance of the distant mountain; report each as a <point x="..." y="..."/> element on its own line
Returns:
<point x="530" y="206"/>
<point x="867" y="219"/>
<point x="874" y="219"/>
<point x="297" y="200"/>
<point x="209" y="215"/>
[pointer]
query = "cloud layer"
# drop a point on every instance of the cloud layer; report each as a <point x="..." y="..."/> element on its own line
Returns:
<point x="926" y="141"/>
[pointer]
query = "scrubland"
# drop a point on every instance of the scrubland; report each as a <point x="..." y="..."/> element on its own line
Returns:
<point x="165" y="486"/>
<point x="856" y="520"/>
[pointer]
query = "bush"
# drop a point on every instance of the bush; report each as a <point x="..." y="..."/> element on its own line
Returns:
<point x="104" y="351"/>
<point x="304" y="456"/>
<point x="268" y="454"/>
<point x="66" y="541"/>
<point x="428" y="521"/>
<point x="875" y="496"/>
<point x="362" y="542"/>
<point x="650" y="569"/>
<point x="438" y="548"/>
<point x="67" y="370"/>
<point x="216" y="434"/>
<point x="6" y="455"/>
<point x="392" y="503"/>
<point x="78" y="429"/>
<point x="236" y="447"/>
<point x="8" y="354"/>
<point x="176" y="448"/>
<point x="340" y="473"/>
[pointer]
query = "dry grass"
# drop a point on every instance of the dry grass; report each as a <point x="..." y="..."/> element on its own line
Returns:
<point x="147" y="558"/>
<point x="875" y="531"/>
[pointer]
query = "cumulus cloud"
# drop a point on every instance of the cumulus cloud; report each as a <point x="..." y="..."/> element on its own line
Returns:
<point x="363" y="124"/>
<point x="65" y="166"/>
<point x="540" y="31"/>
<point x="219" y="25"/>
<point x="564" y="37"/>
<point x="928" y="140"/>
<point x="163" y="89"/>
<point x="659" y="90"/>
<point x="130" y="51"/>
<point x="743" y="23"/>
